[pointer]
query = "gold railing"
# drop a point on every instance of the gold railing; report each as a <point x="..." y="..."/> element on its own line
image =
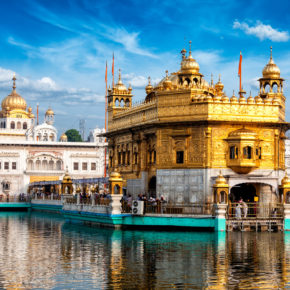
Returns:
<point x="19" y="198"/>
<point x="254" y="210"/>
<point x="158" y="207"/>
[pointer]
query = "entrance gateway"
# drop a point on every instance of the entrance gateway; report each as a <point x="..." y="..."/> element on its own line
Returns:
<point x="254" y="206"/>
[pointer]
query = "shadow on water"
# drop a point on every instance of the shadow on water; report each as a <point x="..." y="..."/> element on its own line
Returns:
<point x="43" y="251"/>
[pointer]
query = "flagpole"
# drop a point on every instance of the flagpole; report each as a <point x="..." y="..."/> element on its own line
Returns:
<point x="240" y="74"/>
<point x="113" y="83"/>
<point x="106" y="103"/>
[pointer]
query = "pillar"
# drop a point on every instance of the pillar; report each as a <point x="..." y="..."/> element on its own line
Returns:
<point x="116" y="188"/>
<point x="284" y="190"/>
<point x="220" y="192"/>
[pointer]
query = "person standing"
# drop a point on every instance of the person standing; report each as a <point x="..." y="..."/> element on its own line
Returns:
<point x="244" y="208"/>
<point x="238" y="213"/>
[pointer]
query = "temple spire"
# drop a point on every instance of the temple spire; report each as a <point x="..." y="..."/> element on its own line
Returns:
<point x="14" y="82"/>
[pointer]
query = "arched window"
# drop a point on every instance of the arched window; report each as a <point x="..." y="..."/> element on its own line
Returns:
<point x="288" y="197"/>
<point x="117" y="103"/>
<point x="51" y="165"/>
<point x="247" y="152"/>
<point x="18" y="125"/>
<point x="274" y="88"/>
<point x="58" y="165"/>
<point x="234" y="152"/>
<point x="127" y="103"/>
<point x="122" y="103"/>
<point x="44" y="165"/>
<point x="51" y="137"/>
<point x="187" y="81"/>
<point x="30" y="165"/>
<point x="4" y="125"/>
<point x="223" y="197"/>
<point x="24" y="125"/>
<point x="37" y="165"/>
<point x="117" y="189"/>
<point x="267" y="88"/>
<point x="12" y="125"/>
<point x="45" y="137"/>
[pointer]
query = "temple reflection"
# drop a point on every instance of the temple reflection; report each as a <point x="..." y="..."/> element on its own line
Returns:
<point x="40" y="251"/>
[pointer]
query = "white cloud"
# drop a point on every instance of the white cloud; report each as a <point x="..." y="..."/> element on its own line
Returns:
<point x="262" y="31"/>
<point x="46" y="89"/>
<point x="130" y="40"/>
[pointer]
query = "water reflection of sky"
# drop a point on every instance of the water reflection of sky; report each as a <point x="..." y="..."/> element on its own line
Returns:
<point x="42" y="251"/>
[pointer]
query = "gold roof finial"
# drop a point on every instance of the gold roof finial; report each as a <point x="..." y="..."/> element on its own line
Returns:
<point x="190" y="47"/>
<point x="14" y="83"/>
<point x="219" y="77"/>
<point x="233" y="92"/>
<point x="149" y="80"/>
<point x="271" y="52"/>
<point x="119" y="74"/>
<point x="166" y="74"/>
<point x="250" y="93"/>
<point x="211" y="80"/>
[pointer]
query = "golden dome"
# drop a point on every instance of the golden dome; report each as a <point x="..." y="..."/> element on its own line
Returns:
<point x="167" y="82"/>
<point x="49" y="112"/>
<point x="120" y="86"/>
<point x="63" y="137"/>
<point x="243" y="133"/>
<point x="225" y="99"/>
<point x="13" y="101"/>
<point x="271" y="70"/>
<point x="285" y="181"/>
<point x="234" y="99"/>
<point x="221" y="181"/>
<point x="66" y="178"/>
<point x="115" y="176"/>
<point x="189" y="64"/>
<point x="219" y="86"/>
<point x="251" y="100"/>
<point x="149" y="87"/>
<point x="242" y="99"/>
<point x="258" y="100"/>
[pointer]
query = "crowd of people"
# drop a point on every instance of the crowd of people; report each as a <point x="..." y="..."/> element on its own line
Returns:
<point x="151" y="204"/>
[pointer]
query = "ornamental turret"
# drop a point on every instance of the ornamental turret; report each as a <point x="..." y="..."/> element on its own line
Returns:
<point x="119" y="97"/>
<point x="271" y="83"/>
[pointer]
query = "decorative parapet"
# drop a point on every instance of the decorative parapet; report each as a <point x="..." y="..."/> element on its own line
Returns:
<point x="141" y="114"/>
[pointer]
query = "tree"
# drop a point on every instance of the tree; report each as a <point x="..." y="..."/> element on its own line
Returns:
<point x="73" y="135"/>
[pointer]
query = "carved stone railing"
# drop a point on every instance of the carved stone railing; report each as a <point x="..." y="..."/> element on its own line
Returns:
<point x="144" y="113"/>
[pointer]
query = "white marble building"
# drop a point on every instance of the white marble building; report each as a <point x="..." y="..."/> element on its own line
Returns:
<point x="30" y="153"/>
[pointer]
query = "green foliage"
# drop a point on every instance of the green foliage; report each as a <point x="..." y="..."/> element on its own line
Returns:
<point x="73" y="135"/>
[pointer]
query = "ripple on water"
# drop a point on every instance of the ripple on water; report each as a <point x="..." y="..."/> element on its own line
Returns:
<point x="42" y="251"/>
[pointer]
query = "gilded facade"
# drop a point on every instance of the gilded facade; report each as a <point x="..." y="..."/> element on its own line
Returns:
<point x="186" y="130"/>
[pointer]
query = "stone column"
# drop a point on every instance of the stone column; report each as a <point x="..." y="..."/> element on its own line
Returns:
<point x="220" y="217"/>
<point x="116" y="204"/>
<point x="265" y="201"/>
<point x="78" y="199"/>
<point x="286" y="216"/>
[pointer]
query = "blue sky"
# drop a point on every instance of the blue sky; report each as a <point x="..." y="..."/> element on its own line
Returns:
<point x="58" y="49"/>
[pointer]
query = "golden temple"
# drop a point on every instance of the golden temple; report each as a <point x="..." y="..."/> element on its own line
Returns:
<point x="175" y="142"/>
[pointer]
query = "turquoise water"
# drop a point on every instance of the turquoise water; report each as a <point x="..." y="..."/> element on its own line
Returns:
<point x="42" y="251"/>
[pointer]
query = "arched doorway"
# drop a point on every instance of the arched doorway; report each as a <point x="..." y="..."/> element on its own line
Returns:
<point x="152" y="186"/>
<point x="246" y="191"/>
